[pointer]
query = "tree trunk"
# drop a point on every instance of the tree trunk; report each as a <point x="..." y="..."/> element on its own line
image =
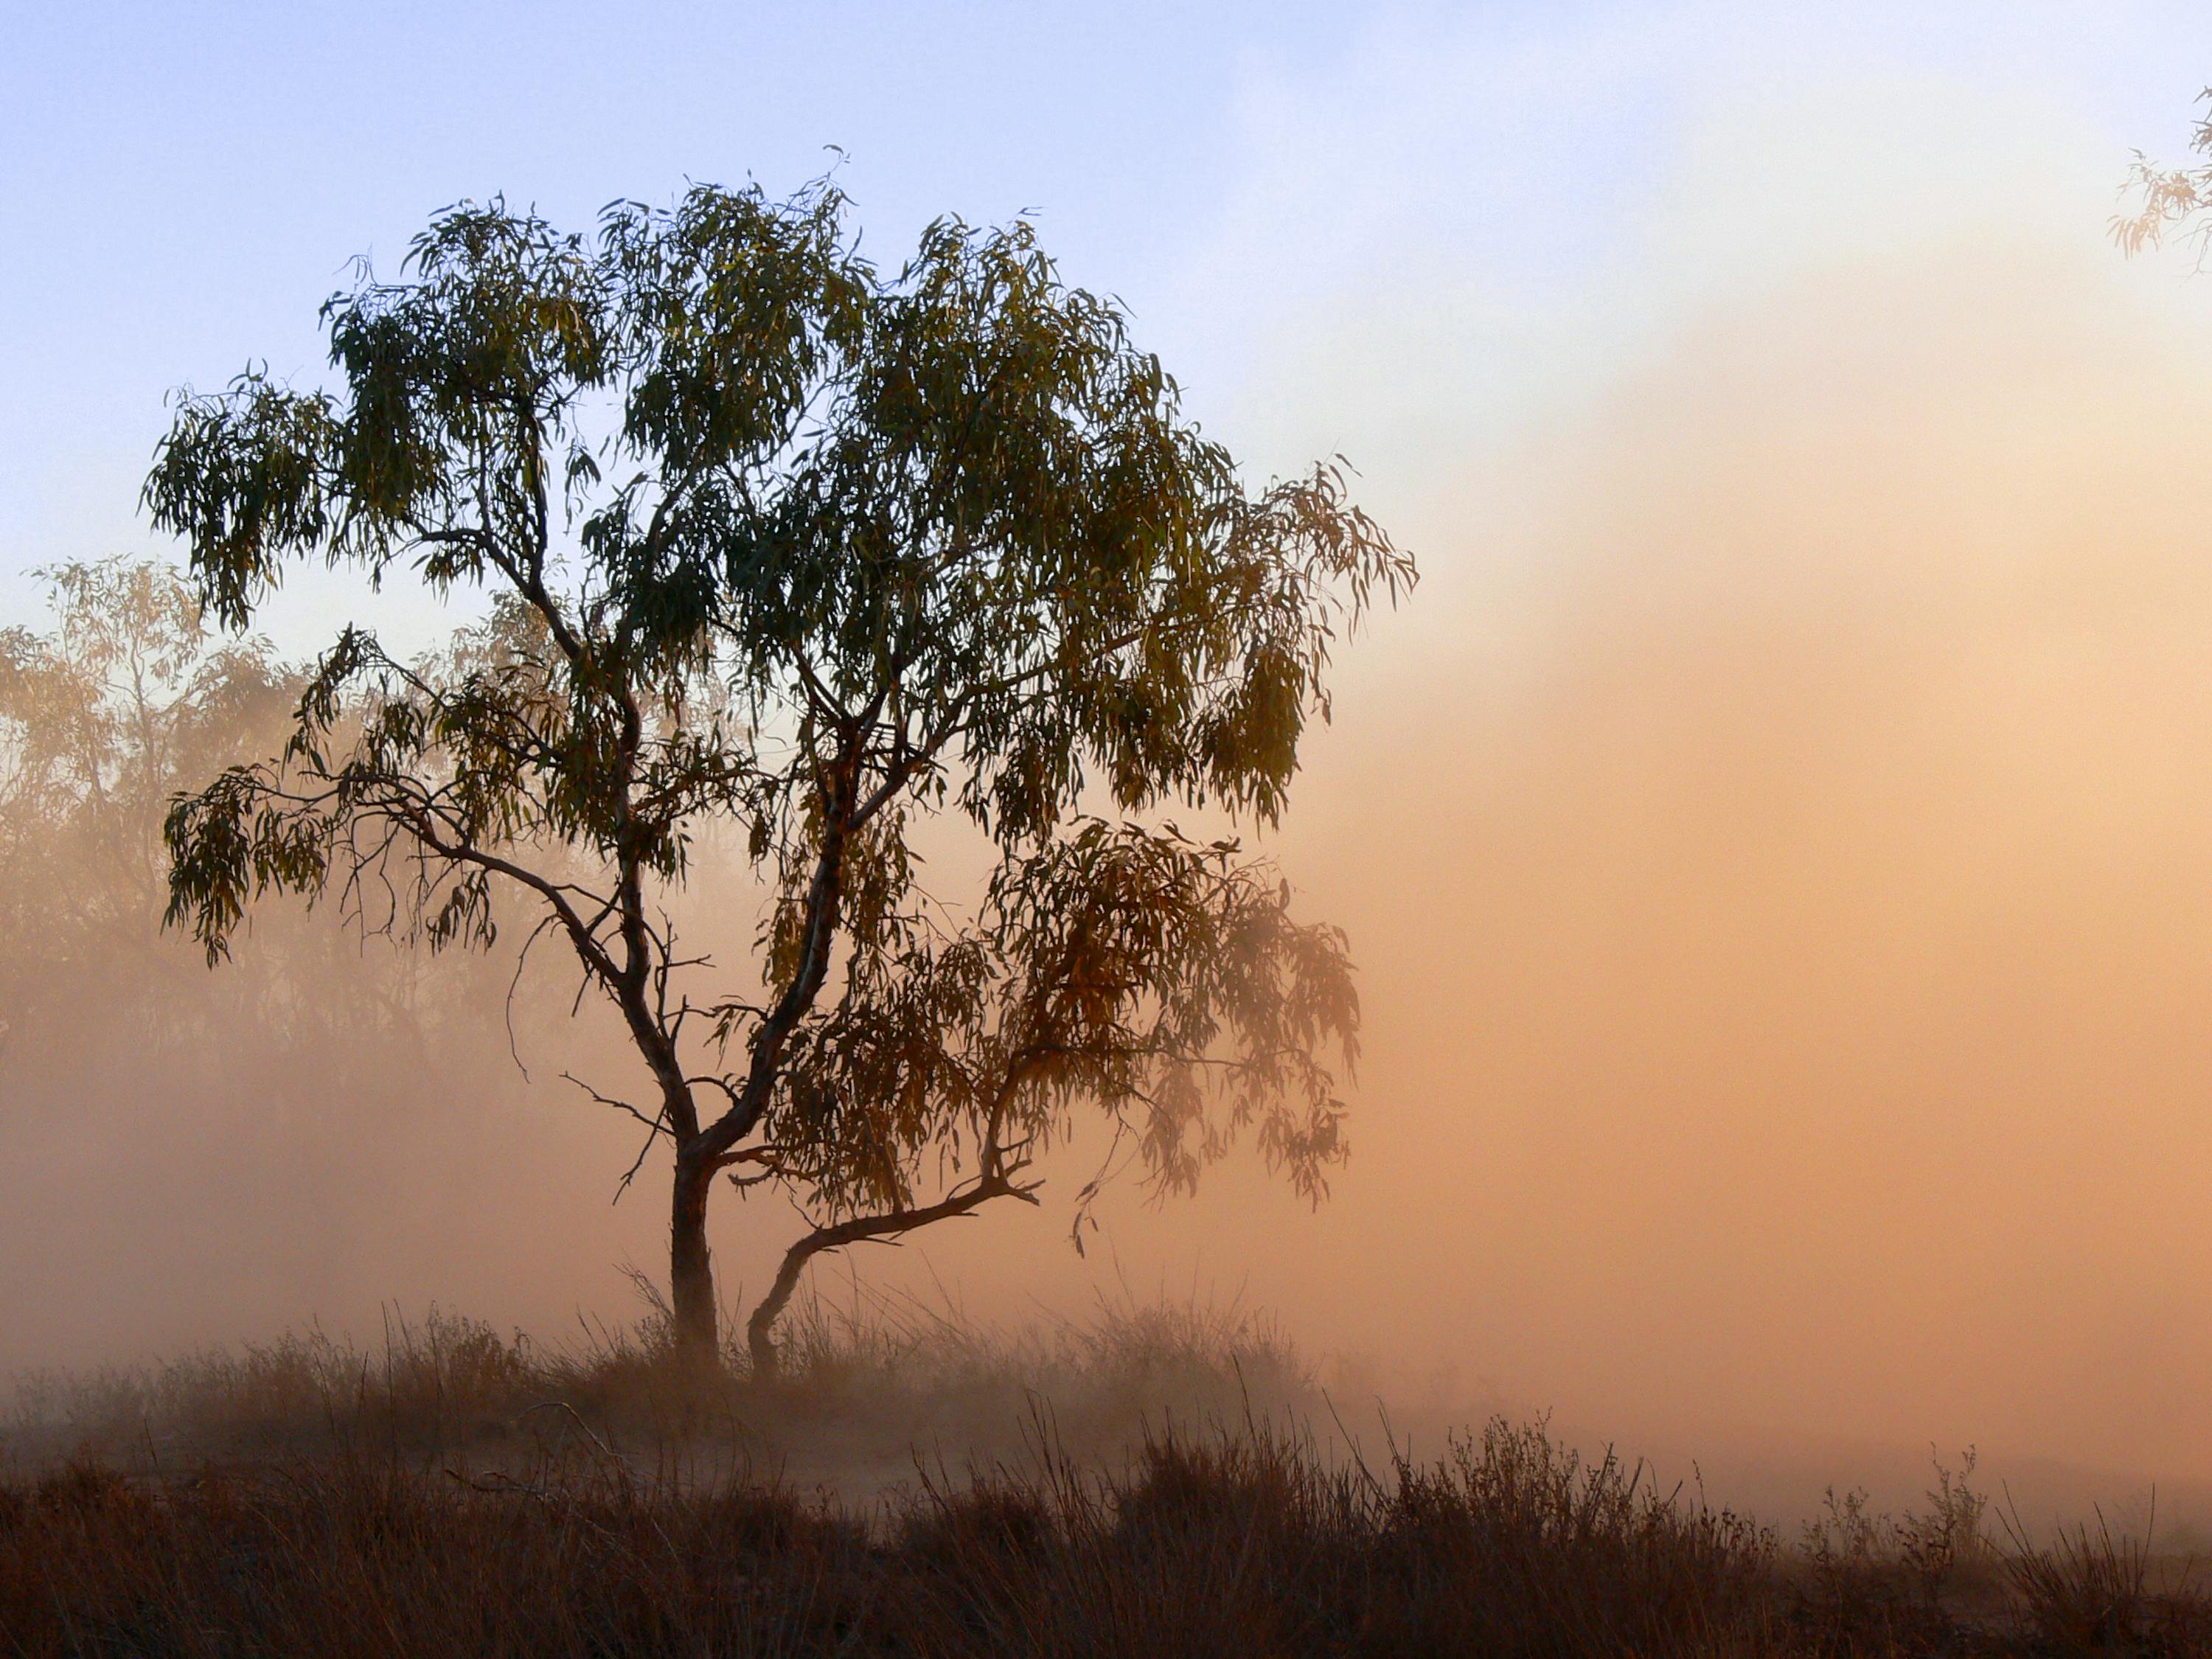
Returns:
<point x="691" y="1268"/>
<point x="760" y="1329"/>
<point x="760" y="1341"/>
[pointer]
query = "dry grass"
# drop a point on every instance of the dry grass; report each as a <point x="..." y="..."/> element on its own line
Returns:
<point x="865" y="1389"/>
<point x="457" y="1494"/>
<point x="1243" y="1543"/>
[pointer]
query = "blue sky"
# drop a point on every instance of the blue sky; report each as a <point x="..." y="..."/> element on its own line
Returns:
<point x="183" y="184"/>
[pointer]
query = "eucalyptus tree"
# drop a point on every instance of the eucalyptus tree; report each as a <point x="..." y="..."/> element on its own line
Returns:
<point x="103" y="716"/>
<point x="781" y="539"/>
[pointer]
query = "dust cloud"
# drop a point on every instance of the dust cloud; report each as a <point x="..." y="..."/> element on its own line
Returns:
<point x="1778" y="845"/>
<point x="1779" y="858"/>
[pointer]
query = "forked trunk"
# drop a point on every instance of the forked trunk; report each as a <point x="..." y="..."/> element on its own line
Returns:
<point x="691" y="1268"/>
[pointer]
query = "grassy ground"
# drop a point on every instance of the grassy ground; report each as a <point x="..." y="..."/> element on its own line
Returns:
<point x="1147" y="1484"/>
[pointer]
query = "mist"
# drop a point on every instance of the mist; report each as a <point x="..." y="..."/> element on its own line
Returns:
<point x="1793" y="948"/>
<point x="1777" y="848"/>
<point x="1774" y="839"/>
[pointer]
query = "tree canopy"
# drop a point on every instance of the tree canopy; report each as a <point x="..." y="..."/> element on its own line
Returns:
<point x="777" y="539"/>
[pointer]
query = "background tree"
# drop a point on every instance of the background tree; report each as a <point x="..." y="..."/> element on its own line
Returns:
<point x="128" y="698"/>
<point x="118" y="1051"/>
<point x="2168" y="199"/>
<point x="103" y="718"/>
<point x="779" y="540"/>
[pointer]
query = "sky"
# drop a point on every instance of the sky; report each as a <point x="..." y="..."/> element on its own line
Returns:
<point x="1773" y="834"/>
<point x="184" y="186"/>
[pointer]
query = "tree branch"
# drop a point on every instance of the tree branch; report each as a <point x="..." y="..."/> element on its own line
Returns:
<point x="862" y="1229"/>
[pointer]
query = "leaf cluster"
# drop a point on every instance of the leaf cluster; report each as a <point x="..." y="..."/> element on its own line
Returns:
<point x="1125" y="966"/>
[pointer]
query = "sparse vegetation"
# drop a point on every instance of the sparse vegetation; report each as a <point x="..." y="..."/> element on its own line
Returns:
<point x="863" y="1390"/>
<point x="1150" y="1483"/>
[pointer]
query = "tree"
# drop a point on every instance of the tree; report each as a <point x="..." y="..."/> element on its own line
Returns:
<point x="127" y="698"/>
<point x="780" y="540"/>
<point x="2166" y="197"/>
<point x="103" y="718"/>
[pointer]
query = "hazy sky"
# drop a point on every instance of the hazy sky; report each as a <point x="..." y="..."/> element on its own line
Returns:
<point x="1775" y="837"/>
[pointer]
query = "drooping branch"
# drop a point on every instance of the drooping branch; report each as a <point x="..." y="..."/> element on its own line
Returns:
<point x="760" y="1327"/>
